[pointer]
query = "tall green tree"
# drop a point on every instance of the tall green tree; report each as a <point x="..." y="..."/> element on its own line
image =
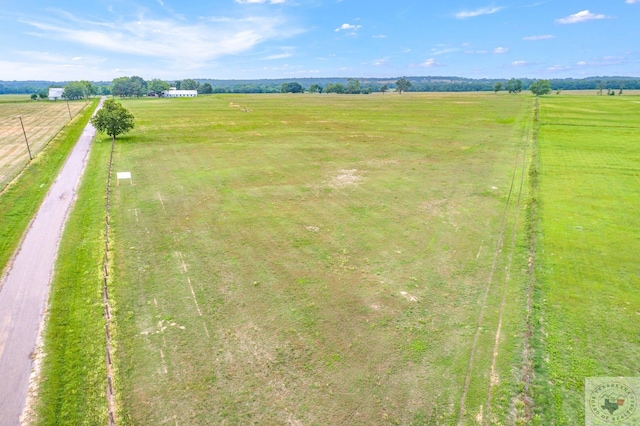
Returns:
<point x="335" y="88"/>
<point x="74" y="90"/>
<point x="315" y="88"/>
<point x="497" y="87"/>
<point x="403" y="85"/>
<point x="156" y="85"/>
<point x="189" y="84"/>
<point x="293" y="87"/>
<point x="138" y="86"/>
<point x="514" y="86"/>
<point x="113" y="119"/>
<point x="384" y="89"/>
<point x="541" y="87"/>
<point x="353" y="86"/>
<point x="206" y="89"/>
<point x="121" y="86"/>
<point x="90" y="89"/>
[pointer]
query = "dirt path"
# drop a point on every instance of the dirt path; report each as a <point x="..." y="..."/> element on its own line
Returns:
<point x="24" y="292"/>
<point x="511" y="208"/>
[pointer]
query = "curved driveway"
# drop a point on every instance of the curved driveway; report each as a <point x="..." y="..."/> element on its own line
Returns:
<point x="25" y="289"/>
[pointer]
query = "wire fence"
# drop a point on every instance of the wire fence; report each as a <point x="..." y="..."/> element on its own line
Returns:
<point x="27" y="128"/>
<point x="110" y="390"/>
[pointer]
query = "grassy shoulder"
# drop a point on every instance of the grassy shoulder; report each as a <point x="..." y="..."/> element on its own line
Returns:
<point x="21" y="199"/>
<point x="74" y="370"/>
<point x="587" y="308"/>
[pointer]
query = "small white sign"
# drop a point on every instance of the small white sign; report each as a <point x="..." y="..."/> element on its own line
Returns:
<point x="123" y="175"/>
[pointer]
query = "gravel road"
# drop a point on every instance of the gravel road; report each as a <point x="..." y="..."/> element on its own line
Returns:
<point x="25" y="289"/>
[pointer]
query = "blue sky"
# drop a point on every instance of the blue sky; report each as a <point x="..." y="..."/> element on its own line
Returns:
<point x="238" y="39"/>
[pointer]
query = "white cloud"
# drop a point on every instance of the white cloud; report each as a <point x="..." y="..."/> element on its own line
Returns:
<point x="278" y="56"/>
<point x="499" y="50"/>
<point x="379" y="36"/>
<point x="348" y="27"/>
<point x="603" y="61"/>
<point x="556" y="68"/>
<point x="287" y="52"/>
<point x="196" y="43"/>
<point x="582" y="16"/>
<point x="430" y="63"/>
<point x="443" y="51"/>
<point x="380" y="62"/>
<point x="539" y="37"/>
<point x="633" y="1"/>
<point x="478" y="12"/>
<point x="52" y="58"/>
<point x="54" y="67"/>
<point x="519" y="63"/>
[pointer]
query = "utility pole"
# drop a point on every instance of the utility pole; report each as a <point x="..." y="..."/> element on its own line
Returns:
<point x="25" y="138"/>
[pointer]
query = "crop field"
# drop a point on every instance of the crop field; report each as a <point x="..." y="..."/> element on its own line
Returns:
<point x="42" y="121"/>
<point x="588" y="269"/>
<point x="314" y="259"/>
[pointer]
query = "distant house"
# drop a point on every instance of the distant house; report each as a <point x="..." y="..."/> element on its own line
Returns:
<point x="174" y="93"/>
<point x="55" y="93"/>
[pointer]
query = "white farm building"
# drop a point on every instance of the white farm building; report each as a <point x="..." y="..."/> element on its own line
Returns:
<point x="174" y="93"/>
<point x="55" y="93"/>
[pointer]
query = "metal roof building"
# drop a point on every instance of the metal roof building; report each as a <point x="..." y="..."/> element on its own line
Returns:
<point x="55" y="93"/>
<point x="173" y="93"/>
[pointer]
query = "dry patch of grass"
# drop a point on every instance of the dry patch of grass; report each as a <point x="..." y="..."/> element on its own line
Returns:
<point x="42" y="121"/>
<point x="345" y="178"/>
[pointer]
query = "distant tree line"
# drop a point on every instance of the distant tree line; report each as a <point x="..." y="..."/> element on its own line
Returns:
<point x="136" y="86"/>
<point x="128" y="87"/>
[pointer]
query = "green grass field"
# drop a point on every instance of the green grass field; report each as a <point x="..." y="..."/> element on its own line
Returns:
<point x="16" y="98"/>
<point x="353" y="260"/>
<point x="321" y="259"/>
<point x="588" y="305"/>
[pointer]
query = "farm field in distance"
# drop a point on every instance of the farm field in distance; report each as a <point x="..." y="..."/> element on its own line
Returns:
<point x="42" y="121"/>
<point x="321" y="259"/>
<point x="587" y="301"/>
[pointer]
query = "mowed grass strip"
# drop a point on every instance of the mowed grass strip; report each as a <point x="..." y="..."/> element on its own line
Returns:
<point x="588" y="305"/>
<point x="20" y="201"/>
<point x="73" y="376"/>
<point x="319" y="259"/>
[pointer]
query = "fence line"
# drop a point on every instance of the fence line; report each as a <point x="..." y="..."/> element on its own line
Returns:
<point x="110" y="387"/>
